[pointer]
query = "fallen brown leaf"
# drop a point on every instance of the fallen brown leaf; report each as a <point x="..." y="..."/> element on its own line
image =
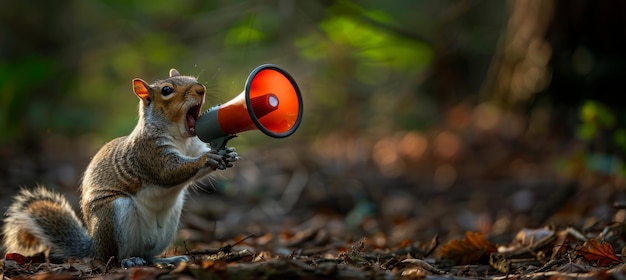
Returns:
<point x="469" y="250"/>
<point x="20" y="259"/>
<point x="600" y="253"/>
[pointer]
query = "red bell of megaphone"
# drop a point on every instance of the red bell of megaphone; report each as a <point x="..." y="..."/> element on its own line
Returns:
<point x="271" y="102"/>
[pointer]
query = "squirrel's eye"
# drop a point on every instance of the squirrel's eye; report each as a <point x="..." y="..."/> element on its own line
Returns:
<point x="166" y="90"/>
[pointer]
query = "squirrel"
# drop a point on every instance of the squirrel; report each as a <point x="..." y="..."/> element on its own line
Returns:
<point x="133" y="189"/>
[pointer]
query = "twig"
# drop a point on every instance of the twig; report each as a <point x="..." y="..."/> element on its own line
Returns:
<point x="224" y="249"/>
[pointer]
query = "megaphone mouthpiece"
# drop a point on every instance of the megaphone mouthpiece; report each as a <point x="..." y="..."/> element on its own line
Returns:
<point x="264" y="104"/>
<point x="271" y="102"/>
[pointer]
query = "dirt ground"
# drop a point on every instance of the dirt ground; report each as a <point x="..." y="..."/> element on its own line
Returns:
<point x="390" y="207"/>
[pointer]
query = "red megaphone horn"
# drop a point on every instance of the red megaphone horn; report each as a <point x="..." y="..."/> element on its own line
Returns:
<point x="270" y="102"/>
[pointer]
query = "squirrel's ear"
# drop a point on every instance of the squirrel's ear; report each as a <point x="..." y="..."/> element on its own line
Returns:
<point x="141" y="89"/>
<point x="174" y="73"/>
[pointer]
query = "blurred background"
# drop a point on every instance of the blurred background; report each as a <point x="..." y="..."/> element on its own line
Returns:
<point x="421" y="118"/>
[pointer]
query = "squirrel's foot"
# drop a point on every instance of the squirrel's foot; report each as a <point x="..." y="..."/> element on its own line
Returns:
<point x="137" y="261"/>
<point x="175" y="260"/>
<point x="133" y="261"/>
<point x="222" y="159"/>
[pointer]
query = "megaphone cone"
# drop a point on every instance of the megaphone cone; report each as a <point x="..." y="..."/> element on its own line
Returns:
<point x="270" y="102"/>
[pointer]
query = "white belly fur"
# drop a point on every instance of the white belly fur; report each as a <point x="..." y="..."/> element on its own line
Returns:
<point x="148" y="221"/>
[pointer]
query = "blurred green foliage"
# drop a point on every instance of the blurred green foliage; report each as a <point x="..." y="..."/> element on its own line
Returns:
<point x="66" y="69"/>
<point x="594" y="116"/>
<point x="606" y="139"/>
<point x="364" y="67"/>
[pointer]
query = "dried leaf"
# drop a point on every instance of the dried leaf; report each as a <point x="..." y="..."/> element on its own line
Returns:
<point x="404" y="243"/>
<point x="53" y="276"/>
<point x="214" y="265"/>
<point x="469" y="250"/>
<point x="601" y="253"/>
<point x="144" y="273"/>
<point x="20" y="259"/>
<point x="564" y="243"/>
<point x="414" y="273"/>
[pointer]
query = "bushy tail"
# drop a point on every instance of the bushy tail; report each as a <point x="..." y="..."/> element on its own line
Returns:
<point x="43" y="221"/>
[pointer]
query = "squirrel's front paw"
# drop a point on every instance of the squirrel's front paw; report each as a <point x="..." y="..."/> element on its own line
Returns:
<point x="229" y="155"/>
<point x="222" y="159"/>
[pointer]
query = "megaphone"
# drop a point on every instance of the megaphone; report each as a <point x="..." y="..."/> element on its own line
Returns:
<point x="270" y="102"/>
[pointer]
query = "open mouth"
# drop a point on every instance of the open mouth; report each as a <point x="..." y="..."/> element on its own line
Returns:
<point x="192" y="116"/>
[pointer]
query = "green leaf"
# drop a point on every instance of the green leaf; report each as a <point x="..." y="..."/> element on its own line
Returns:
<point x="593" y="111"/>
<point x="243" y="35"/>
<point x="586" y="131"/>
<point x="619" y="138"/>
<point x="371" y="45"/>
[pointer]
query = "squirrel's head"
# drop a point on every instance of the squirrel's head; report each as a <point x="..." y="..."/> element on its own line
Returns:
<point x="177" y="99"/>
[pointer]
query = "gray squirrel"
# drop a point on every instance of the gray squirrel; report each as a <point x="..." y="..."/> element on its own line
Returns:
<point x="133" y="189"/>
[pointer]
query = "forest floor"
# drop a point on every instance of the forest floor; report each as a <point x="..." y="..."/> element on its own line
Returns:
<point x="381" y="208"/>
